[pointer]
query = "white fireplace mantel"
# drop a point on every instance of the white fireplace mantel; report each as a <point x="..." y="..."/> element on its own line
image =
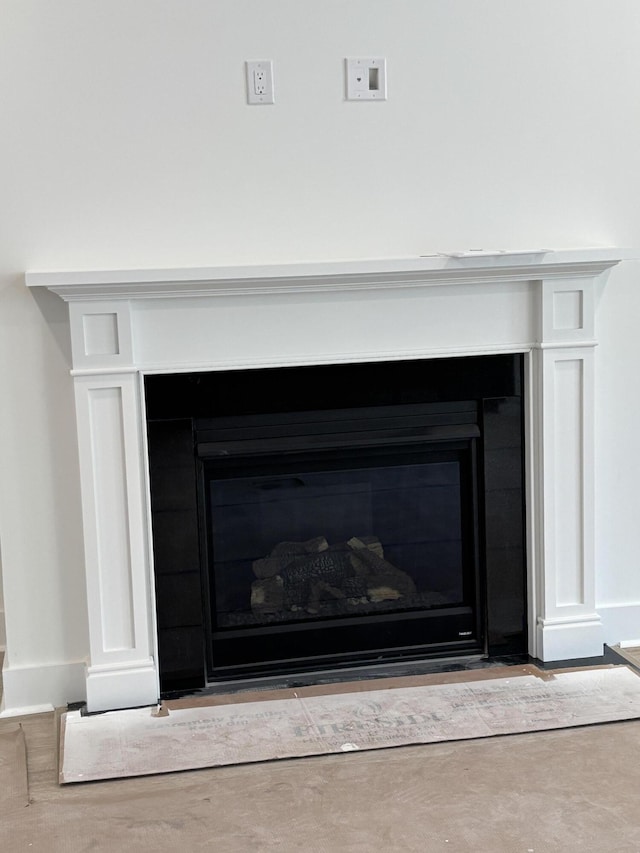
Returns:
<point x="128" y="323"/>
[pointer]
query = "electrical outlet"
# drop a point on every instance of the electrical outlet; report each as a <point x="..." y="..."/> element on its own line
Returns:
<point x="260" y="82"/>
<point x="366" y="79"/>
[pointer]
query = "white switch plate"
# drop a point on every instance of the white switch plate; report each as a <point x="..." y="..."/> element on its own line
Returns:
<point x="366" y="79"/>
<point x="260" y="81"/>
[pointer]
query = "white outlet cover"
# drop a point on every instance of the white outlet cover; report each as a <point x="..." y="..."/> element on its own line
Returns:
<point x="260" y="69"/>
<point x="366" y="78"/>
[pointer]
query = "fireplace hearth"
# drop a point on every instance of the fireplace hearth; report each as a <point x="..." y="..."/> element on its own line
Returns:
<point x="320" y="535"/>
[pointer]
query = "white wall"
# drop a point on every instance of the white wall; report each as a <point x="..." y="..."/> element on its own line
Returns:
<point x="3" y="634"/>
<point x="126" y="142"/>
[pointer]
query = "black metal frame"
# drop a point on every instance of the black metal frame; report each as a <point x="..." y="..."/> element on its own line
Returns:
<point x="233" y="652"/>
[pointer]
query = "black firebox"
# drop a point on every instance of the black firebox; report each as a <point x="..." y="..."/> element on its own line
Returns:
<point x="315" y="517"/>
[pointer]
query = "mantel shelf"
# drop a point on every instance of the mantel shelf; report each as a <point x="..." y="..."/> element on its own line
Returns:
<point x="453" y="268"/>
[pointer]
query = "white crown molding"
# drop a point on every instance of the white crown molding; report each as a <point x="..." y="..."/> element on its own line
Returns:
<point x="430" y="270"/>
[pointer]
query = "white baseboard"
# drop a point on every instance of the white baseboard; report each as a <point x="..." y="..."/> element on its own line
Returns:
<point x="621" y="623"/>
<point x="112" y="687"/>
<point x="33" y="689"/>
<point x="613" y="624"/>
<point x="569" y="639"/>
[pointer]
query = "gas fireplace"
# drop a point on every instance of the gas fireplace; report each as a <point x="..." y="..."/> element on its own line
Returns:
<point x="290" y="466"/>
<point x="328" y="516"/>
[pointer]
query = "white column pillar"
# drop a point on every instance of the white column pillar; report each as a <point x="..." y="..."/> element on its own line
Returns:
<point x="567" y="624"/>
<point x="121" y="670"/>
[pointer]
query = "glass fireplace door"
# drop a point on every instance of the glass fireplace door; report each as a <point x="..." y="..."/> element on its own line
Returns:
<point x="334" y="555"/>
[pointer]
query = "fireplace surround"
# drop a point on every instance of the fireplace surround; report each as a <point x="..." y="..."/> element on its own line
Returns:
<point x="307" y="517"/>
<point x="128" y="325"/>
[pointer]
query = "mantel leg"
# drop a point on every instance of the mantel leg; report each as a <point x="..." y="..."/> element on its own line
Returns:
<point x="121" y="671"/>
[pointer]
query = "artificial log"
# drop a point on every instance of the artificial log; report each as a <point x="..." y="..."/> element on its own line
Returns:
<point x="267" y="596"/>
<point x="284" y="554"/>
<point x="297" y="549"/>
<point x="380" y="573"/>
<point x="300" y="576"/>
<point x="382" y="592"/>
<point x="331" y="568"/>
<point x="321" y="591"/>
<point x="372" y="543"/>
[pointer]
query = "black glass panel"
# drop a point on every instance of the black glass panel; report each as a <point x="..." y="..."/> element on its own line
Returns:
<point x="325" y="544"/>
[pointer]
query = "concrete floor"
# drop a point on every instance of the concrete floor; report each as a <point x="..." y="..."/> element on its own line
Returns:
<point x="566" y="790"/>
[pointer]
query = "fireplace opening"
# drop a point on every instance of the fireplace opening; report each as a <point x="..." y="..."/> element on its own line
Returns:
<point x="339" y="535"/>
<point x="315" y="534"/>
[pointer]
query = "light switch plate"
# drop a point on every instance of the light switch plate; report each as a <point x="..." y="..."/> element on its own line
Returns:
<point x="366" y="79"/>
